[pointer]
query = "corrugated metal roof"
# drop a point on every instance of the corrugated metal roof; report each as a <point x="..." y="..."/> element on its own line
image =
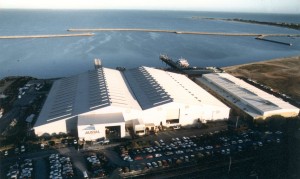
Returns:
<point x="139" y="88"/>
<point x="249" y="97"/>
<point x="146" y="88"/>
<point x="154" y="87"/>
<point x="86" y="92"/>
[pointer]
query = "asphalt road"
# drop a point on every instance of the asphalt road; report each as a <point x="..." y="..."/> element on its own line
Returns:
<point x="40" y="168"/>
<point x="8" y="117"/>
<point x="77" y="160"/>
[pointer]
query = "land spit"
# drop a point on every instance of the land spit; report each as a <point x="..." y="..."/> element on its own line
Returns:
<point x="45" y="36"/>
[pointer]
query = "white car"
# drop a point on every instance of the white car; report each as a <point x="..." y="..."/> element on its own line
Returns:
<point x="209" y="147"/>
<point x="75" y="141"/>
<point x="154" y="164"/>
<point x="22" y="148"/>
<point x="176" y="127"/>
<point x="158" y="155"/>
<point x="149" y="165"/>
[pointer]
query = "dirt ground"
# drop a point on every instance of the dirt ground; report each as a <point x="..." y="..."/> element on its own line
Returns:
<point x="283" y="75"/>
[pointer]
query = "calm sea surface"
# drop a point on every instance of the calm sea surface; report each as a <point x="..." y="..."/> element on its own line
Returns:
<point x="56" y="57"/>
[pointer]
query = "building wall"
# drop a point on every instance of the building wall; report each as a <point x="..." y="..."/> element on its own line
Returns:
<point x="188" y="114"/>
<point x="50" y="128"/>
<point x="128" y="114"/>
<point x="154" y="115"/>
<point x="281" y="112"/>
<point x="99" y="132"/>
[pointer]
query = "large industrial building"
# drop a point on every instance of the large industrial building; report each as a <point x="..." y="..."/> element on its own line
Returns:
<point x="253" y="101"/>
<point x="104" y="101"/>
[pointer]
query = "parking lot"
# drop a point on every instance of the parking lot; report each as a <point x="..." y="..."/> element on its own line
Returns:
<point x="159" y="154"/>
<point x="151" y="154"/>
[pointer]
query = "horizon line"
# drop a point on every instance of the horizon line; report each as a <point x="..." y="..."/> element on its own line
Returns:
<point x="147" y="9"/>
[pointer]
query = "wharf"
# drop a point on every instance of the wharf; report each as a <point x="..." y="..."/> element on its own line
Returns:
<point x="169" y="62"/>
<point x="194" y="71"/>
<point x="45" y="36"/>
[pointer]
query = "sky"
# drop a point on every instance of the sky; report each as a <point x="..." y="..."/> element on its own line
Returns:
<point x="264" y="6"/>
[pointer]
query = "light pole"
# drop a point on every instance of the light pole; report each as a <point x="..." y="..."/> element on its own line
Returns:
<point x="229" y="164"/>
<point x="237" y="120"/>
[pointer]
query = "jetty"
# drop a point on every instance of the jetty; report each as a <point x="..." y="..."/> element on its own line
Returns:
<point x="273" y="41"/>
<point x="45" y="36"/>
<point x="181" y="32"/>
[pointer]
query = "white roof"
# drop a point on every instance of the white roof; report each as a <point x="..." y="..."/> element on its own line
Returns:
<point x="146" y="89"/>
<point x="139" y="88"/>
<point x="154" y="87"/>
<point x="249" y="98"/>
<point x="82" y="93"/>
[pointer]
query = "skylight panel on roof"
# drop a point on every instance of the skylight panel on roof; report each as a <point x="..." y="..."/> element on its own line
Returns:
<point x="99" y="106"/>
<point x="59" y="117"/>
<point x="60" y="114"/>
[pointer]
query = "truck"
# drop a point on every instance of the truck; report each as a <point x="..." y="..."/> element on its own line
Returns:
<point x="139" y="127"/>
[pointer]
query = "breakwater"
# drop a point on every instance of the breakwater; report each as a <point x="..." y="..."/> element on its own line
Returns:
<point x="181" y="32"/>
<point x="45" y="36"/>
<point x="273" y="41"/>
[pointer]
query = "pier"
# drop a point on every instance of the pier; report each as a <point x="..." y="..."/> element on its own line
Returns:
<point x="169" y="62"/>
<point x="273" y="41"/>
<point x="194" y="71"/>
<point x="181" y="32"/>
<point x="45" y="36"/>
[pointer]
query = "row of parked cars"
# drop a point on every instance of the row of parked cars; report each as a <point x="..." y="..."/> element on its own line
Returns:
<point x="22" y="169"/>
<point x="14" y="151"/>
<point x="185" y="149"/>
<point x="95" y="165"/>
<point x="171" y="161"/>
<point x="22" y="148"/>
<point x="60" y="167"/>
<point x="161" y="149"/>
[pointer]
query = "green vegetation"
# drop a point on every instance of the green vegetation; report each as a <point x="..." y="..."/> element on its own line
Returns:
<point x="279" y="24"/>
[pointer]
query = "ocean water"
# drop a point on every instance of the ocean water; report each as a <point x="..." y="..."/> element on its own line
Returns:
<point x="57" y="57"/>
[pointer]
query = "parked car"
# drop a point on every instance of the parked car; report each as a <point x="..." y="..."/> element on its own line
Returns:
<point x="154" y="164"/>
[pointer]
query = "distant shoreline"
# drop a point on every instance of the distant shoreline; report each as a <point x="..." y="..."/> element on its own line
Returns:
<point x="278" y="24"/>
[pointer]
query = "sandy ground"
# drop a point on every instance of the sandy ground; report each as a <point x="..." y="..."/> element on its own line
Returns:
<point x="282" y="74"/>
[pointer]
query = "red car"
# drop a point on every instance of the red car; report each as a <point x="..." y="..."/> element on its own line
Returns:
<point x="149" y="156"/>
<point x="138" y="158"/>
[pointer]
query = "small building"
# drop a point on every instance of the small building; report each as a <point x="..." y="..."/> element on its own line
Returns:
<point x="249" y="99"/>
<point x="139" y="127"/>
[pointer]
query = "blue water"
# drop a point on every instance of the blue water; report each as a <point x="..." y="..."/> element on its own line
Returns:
<point x="56" y="57"/>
